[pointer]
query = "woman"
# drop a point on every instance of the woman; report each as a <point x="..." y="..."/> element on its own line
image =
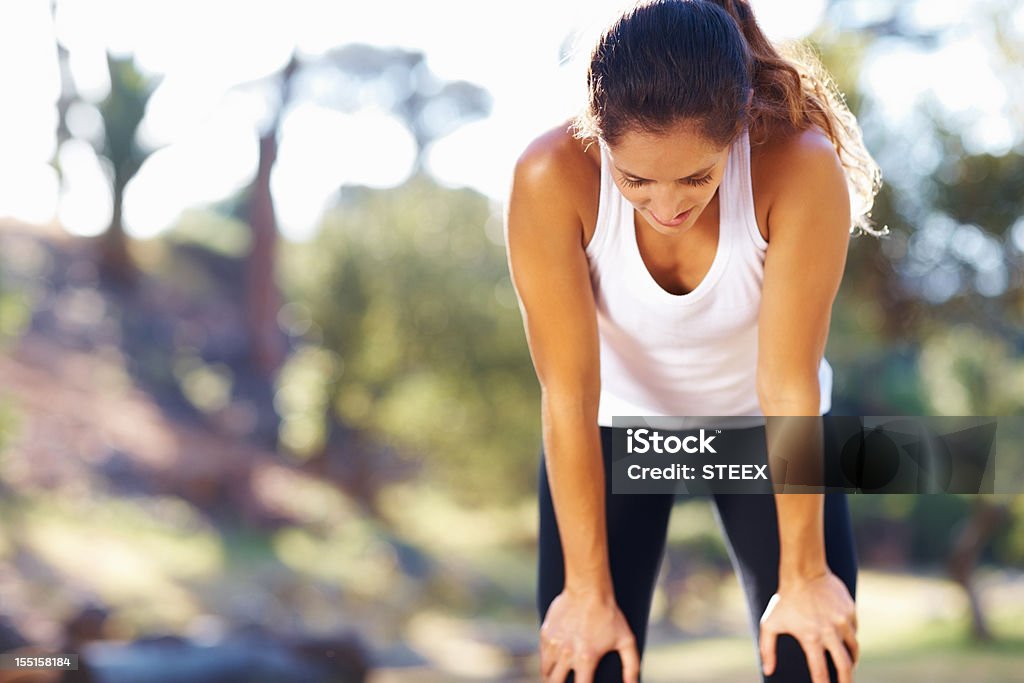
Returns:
<point x="676" y="250"/>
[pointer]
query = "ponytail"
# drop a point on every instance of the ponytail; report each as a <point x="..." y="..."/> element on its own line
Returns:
<point x="793" y="91"/>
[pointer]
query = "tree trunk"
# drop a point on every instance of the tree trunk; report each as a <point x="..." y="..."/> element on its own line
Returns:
<point x="973" y="535"/>
<point x="263" y="298"/>
<point x="115" y="259"/>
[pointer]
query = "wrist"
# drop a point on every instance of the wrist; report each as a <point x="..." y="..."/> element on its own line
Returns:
<point x="597" y="591"/>
<point x="793" y="577"/>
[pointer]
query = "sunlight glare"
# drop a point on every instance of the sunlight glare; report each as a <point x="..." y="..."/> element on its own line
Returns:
<point x="320" y="149"/>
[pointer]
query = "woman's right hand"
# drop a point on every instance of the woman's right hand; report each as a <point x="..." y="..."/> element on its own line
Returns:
<point x="578" y="629"/>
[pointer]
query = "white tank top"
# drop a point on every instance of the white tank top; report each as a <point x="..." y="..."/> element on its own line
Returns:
<point x="692" y="354"/>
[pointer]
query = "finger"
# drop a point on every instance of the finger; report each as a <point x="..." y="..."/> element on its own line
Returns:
<point x="850" y="639"/>
<point x="630" y="662"/>
<point x="546" y="665"/>
<point x="552" y="651"/>
<point x="548" y="654"/>
<point x="840" y="657"/>
<point x="559" y="673"/>
<point x="767" y="647"/>
<point x="816" y="663"/>
<point x="584" y="667"/>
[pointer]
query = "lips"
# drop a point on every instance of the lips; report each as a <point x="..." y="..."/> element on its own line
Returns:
<point x="677" y="221"/>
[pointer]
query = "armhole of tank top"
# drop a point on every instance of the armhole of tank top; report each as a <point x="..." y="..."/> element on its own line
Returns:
<point x="599" y="236"/>
<point x="749" y="211"/>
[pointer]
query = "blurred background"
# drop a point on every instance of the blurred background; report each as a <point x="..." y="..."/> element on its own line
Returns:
<point x="267" y="411"/>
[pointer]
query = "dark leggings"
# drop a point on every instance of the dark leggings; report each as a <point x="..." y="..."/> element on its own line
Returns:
<point x="637" y="526"/>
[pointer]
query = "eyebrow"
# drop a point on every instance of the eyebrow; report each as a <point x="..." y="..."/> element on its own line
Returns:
<point x="698" y="174"/>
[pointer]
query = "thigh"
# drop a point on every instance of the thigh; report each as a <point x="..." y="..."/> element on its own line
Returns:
<point x="750" y="525"/>
<point x="636" y="528"/>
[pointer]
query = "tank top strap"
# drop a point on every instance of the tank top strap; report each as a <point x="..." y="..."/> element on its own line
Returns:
<point x="739" y="212"/>
<point x="608" y="207"/>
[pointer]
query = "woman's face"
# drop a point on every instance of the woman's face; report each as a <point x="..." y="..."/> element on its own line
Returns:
<point x="668" y="177"/>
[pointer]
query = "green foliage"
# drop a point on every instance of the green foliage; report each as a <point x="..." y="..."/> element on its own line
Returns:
<point x="973" y="188"/>
<point x="16" y="308"/>
<point x="934" y="522"/>
<point x="410" y="289"/>
<point x="212" y="230"/>
<point x="15" y="315"/>
<point x="929" y="525"/>
<point x="843" y="54"/>
<point x="1009" y="545"/>
<point x="8" y="426"/>
<point x="15" y="311"/>
<point x="920" y="325"/>
<point x="304" y="398"/>
<point x="122" y="111"/>
<point x="969" y="371"/>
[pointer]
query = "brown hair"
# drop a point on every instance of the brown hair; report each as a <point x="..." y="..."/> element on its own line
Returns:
<point x="708" y="61"/>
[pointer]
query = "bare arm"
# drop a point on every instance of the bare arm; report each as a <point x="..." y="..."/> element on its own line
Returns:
<point x="809" y="230"/>
<point x="551" y="277"/>
<point x="552" y="280"/>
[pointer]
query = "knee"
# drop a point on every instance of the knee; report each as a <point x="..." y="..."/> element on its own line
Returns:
<point x="609" y="670"/>
<point x="791" y="663"/>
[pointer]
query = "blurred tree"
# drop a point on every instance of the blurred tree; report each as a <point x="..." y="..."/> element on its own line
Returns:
<point x="122" y="111"/>
<point x="400" y="81"/>
<point x="875" y="318"/>
<point x="872" y="19"/>
<point x="263" y="297"/>
<point x="931" y="321"/>
<point x="425" y="358"/>
<point x="970" y="539"/>
<point x="358" y="76"/>
<point x="68" y="92"/>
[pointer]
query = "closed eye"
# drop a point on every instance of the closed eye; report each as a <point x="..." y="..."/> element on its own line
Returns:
<point x="629" y="182"/>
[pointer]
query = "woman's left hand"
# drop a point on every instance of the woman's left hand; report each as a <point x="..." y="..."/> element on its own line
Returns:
<point x="820" y="613"/>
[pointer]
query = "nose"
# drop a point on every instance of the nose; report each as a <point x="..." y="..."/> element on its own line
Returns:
<point x="667" y="216"/>
<point x="666" y="204"/>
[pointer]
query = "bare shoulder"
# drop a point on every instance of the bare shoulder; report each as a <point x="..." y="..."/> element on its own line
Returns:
<point x="561" y="173"/>
<point x="558" y="157"/>
<point x="797" y="173"/>
<point x="796" y="162"/>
